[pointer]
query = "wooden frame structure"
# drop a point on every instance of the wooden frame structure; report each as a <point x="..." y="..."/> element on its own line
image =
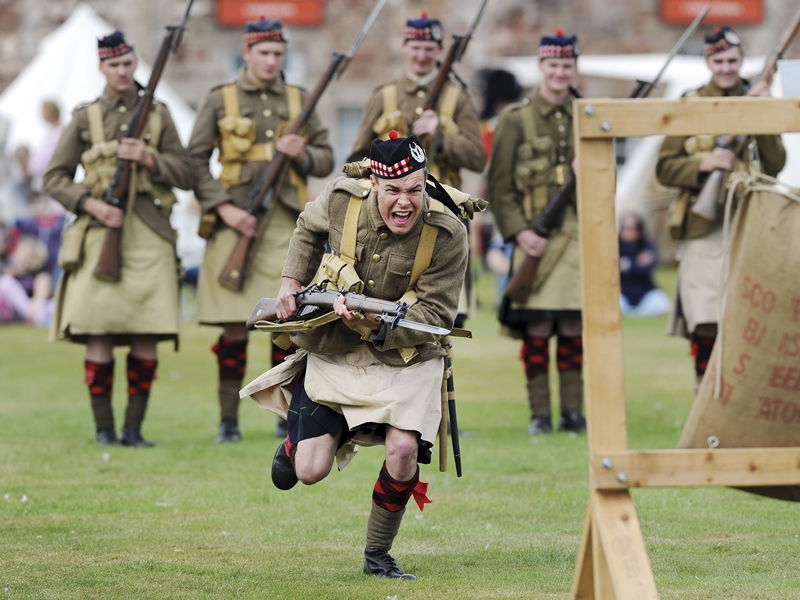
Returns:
<point x="612" y="561"/>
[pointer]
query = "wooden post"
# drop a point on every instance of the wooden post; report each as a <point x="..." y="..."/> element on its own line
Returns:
<point x="612" y="560"/>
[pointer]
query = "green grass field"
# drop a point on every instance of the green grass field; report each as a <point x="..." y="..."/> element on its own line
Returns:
<point x="191" y="519"/>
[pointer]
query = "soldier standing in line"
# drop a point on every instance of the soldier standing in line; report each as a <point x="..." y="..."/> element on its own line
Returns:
<point x="531" y="156"/>
<point x="398" y="106"/>
<point x="142" y="308"/>
<point x="244" y="120"/>
<point x="685" y="163"/>
<point x="357" y="380"/>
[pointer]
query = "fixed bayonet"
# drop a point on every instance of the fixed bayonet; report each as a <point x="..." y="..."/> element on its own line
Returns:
<point x="352" y="52"/>
<point x="406" y="324"/>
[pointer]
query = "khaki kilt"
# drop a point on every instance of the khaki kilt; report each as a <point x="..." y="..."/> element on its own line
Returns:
<point x="217" y="304"/>
<point x="561" y="290"/>
<point x="698" y="287"/>
<point x="143" y="302"/>
<point x="360" y="387"/>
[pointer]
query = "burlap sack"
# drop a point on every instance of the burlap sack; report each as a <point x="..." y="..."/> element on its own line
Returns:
<point x="756" y="400"/>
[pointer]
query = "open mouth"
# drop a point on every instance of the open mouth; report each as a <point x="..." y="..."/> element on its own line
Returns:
<point x="401" y="217"/>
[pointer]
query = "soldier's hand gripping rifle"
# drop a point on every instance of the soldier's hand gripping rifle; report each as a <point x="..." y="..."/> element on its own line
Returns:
<point x="454" y="54"/>
<point x="519" y="285"/>
<point x="110" y="264"/>
<point x="316" y="301"/>
<point x="261" y="197"/>
<point x="707" y="204"/>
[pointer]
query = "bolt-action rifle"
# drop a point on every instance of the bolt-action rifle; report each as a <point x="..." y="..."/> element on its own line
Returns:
<point x="263" y="193"/>
<point x="520" y="284"/>
<point x="454" y="54"/>
<point x="316" y="301"/>
<point x="707" y="204"/>
<point x="109" y="266"/>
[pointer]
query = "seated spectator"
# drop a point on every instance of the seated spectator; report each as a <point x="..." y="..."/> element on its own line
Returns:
<point x="45" y="225"/>
<point x="637" y="259"/>
<point x="26" y="290"/>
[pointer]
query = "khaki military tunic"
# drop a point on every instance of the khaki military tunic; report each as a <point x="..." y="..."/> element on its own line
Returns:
<point x="145" y="300"/>
<point x="523" y="176"/>
<point x="701" y="258"/>
<point x="268" y="109"/>
<point x="368" y="381"/>
<point x="460" y="146"/>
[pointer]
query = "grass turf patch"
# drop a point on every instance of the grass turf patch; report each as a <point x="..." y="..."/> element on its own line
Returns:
<point x="194" y="519"/>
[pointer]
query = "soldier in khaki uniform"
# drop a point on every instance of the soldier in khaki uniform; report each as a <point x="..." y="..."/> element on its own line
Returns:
<point x="356" y="379"/>
<point x="532" y="152"/>
<point x="398" y="106"/>
<point x="684" y="163"/>
<point x="142" y="308"/>
<point x="244" y="120"/>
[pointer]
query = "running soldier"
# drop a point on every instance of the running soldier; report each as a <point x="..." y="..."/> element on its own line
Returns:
<point x="357" y="380"/>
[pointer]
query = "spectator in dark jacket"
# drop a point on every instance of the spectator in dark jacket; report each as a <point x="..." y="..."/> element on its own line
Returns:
<point x="637" y="258"/>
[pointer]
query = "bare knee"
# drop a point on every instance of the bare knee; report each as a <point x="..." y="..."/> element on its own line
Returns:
<point x="401" y="453"/>
<point x="314" y="458"/>
<point x="312" y="472"/>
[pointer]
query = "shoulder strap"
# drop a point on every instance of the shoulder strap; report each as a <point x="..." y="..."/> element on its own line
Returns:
<point x="294" y="101"/>
<point x="95" y="115"/>
<point x="447" y="107"/>
<point x="230" y="99"/>
<point x="427" y="240"/>
<point x="155" y="122"/>
<point x="528" y="123"/>
<point x="389" y="94"/>
<point x="350" y="228"/>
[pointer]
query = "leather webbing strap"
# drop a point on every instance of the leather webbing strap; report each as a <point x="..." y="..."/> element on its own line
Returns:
<point x="294" y="102"/>
<point x="95" y="115"/>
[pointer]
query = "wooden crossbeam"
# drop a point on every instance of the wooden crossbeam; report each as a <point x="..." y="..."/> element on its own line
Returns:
<point x="736" y="467"/>
<point x="605" y="119"/>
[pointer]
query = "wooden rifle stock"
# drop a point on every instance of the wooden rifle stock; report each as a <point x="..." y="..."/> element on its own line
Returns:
<point x="521" y="282"/>
<point x="707" y="204"/>
<point x="263" y="193"/>
<point x="109" y="266"/>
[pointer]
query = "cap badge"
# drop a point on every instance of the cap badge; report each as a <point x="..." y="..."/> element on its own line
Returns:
<point x="417" y="153"/>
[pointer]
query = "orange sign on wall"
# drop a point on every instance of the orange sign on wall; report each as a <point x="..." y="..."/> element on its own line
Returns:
<point x="303" y="13"/>
<point x="723" y="12"/>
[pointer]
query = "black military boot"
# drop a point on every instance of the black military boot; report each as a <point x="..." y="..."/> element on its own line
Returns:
<point x="283" y="473"/>
<point x="229" y="431"/>
<point x="133" y="437"/>
<point x="381" y="563"/>
<point x="571" y="384"/>
<point x="571" y="420"/>
<point x="107" y="437"/>
<point x="540" y="424"/>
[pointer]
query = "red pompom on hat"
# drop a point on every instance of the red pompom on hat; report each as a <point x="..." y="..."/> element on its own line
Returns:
<point x="559" y="33"/>
<point x="717" y="29"/>
<point x="392" y="135"/>
<point x="423" y="15"/>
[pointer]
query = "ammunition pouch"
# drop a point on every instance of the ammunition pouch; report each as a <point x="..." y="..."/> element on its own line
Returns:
<point x="683" y="223"/>
<point x="100" y="164"/>
<point x="70" y="254"/>
<point x="337" y="274"/>
<point x="386" y="122"/>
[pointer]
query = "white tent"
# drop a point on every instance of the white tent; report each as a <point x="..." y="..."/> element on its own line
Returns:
<point x="684" y="73"/>
<point x="65" y="70"/>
